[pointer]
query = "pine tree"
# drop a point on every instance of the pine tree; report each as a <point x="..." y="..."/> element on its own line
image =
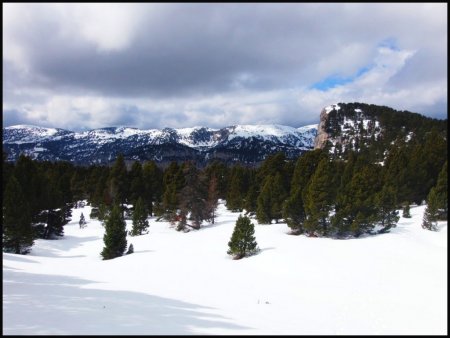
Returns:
<point x="212" y="202"/>
<point x="17" y="230"/>
<point x="152" y="177"/>
<point x="140" y="222"/>
<point x="118" y="185"/>
<point x="82" y="221"/>
<point x="294" y="208"/>
<point x="386" y="202"/>
<point x="356" y="210"/>
<point x="115" y="238"/>
<point x="251" y="199"/>
<point x="173" y="182"/>
<point x="135" y="177"/>
<point x="319" y="199"/>
<point x="193" y="196"/>
<point x="242" y="242"/>
<point x="406" y="210"/>
<point x="294" y="212"/>
<point x="431" y="214"/>
<point x="55" y="212"/>
<point x="235" y="194"/>
<point x="442" y="193"/>
<point x="278" y="196"/>
<point x="264" y="202"/>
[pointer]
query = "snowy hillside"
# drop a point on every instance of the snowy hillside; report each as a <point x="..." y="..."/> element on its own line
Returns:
<point x="240" y="143"/>
<point x="184" y="283"/>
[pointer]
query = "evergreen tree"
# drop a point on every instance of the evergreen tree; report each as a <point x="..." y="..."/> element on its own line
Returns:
<point x="278" y="196"/>
<point x="82" y="221"/>
<point x="153" y="185"/>
<point x="115" y="238"/>
<point x="294" y="212"/>
<point x="294" y="209"/>
<point x="135" y="177"/>
<point x="356" y="210"/>
<point x="212" y="201"/>
<point x="118" y="185"/>
<point x="386" y="203"/>
<point x="242" y="242"/>
<point x="236" y="189"/>
<point x="193" y="196"/>
<point x="140" y="222"/>
<point x="264" y="209"/>
<point x="406" y="211"/>
<point x="55" y="211"/>
<point x="442" y="193"/>
<point x="220" y="171"/>
<point x="251" y="198"/>
<point x="319" y="199"/>
<point x="173" y="182"/>
<point x="431" y="214"/>
<point x="17" y="230"/>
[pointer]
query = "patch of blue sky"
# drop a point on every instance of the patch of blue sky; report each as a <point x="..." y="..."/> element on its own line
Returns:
<point x="390" y="43"/>
<point x="336" y="80"/>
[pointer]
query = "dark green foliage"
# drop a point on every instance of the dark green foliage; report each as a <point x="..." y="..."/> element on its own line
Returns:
<point x="251" y="198"/>
<point x="294" y="212"/>
<point x="294" y="208"/>
<point x="153" y="185"/>
<point x="357" y="211"/>
<point x="140" y="222"/>
<point x="386" y="203"/>
<point x="17" y="230"/>
<point x="220" y="172"/>
<point x="173" y="181"/>
<point x="319" y="199"/>
<point x="135" y="177"/>
<point x="243" y="242"/>
<point x="115" y="238"/>
<point x="236" y="189"/>
<point x="118" y="185"/>
<point x="213" y="199"/>
<point x="406" y="211"/>
<point x="264" y="209"/>
<point x="55" y="210"/>
<point x="193" y="196"/>
<point x="431" y="214"/>
<point x="442" y="193"/>
<point x="271" y="199"/>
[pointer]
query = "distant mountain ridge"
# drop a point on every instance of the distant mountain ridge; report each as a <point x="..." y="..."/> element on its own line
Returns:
<point x="342" y="127"/>
<point x="247" y="144"/>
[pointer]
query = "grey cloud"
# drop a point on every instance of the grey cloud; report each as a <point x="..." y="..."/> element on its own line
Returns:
<point x="191" y="51"/>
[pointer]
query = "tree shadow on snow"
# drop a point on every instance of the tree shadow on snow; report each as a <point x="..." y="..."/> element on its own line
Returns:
<point x="63" y="244"/>
<point x="17" y="258"/>
<point x="54" y="304"/>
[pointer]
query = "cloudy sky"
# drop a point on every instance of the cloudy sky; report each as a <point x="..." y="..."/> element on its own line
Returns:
<point x="84" y="66"/>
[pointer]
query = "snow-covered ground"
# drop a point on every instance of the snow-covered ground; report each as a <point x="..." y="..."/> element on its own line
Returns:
<point x="185" y="283"/>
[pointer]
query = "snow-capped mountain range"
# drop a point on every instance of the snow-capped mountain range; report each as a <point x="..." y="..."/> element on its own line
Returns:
<point x="248" y="144"/>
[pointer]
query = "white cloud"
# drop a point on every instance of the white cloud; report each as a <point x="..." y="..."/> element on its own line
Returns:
<point x="217" y="65"/>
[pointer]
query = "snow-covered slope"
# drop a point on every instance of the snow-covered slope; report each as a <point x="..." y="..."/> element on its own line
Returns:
<point x="245" y="143"/>
<point x="185" y="283"/>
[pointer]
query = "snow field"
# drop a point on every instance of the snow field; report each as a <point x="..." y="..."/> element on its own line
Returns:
<point x="185" y="283"/>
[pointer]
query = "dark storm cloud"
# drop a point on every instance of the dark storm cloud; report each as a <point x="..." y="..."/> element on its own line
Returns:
<point x="211" y="62"/>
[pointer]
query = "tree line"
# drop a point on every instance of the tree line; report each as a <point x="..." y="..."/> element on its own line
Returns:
<point x="316" y="195"/>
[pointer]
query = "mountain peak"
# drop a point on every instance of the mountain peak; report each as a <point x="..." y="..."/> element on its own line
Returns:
<point x="239" y="143"/>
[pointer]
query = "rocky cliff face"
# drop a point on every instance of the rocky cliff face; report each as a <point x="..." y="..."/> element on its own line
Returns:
<point x="322" y="136"/>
